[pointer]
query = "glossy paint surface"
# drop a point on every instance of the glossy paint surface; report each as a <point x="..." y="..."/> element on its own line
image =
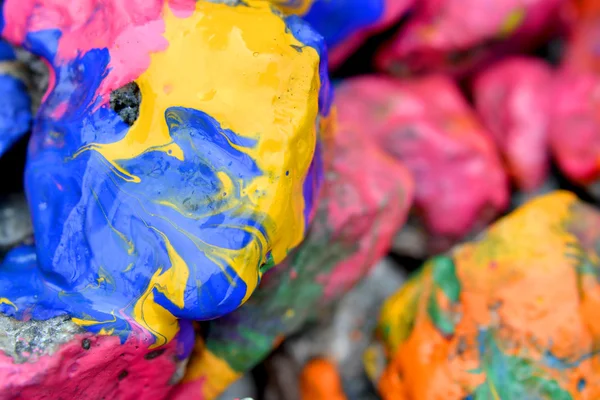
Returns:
<point x="295" y="7"/>
<point x="15" y="105"/>
<point x="509" y="316"/>
<point x="366" y="197"/>
<point x="346" y="24"/>
<point x="337" y="20"/>
<point x="178" y="215"/>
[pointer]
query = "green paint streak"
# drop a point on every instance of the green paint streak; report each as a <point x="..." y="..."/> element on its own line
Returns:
<point x="246" y="336"/>
<point x="510" y="377"/>
<point x="441" y="319"/>
<point x="445" y="280"/>
<point x="444" y="277"/>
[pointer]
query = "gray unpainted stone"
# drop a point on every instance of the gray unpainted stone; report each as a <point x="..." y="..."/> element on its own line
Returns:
<point x="15" y="222"/>
<point x="27" y="341"/>
<point x="346" y="336"/>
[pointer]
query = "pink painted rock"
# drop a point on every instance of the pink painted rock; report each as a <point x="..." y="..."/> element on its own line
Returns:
<point x="57" y="359"/>
<point x="428" y="126"/>
<point x="583" y="49"/>
<point x="575" y="125"/>
<point x="457" y="35"/>
<point x="513" y="101"/>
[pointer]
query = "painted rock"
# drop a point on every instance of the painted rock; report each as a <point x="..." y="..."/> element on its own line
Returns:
<point x="457" y="35"/>
<point x="365" y="201"/>
<point x="428" y="126"/>
<point x="513" y="100"/>
<point x="575" y="126"/>
<point x="341" y="338"/>
<point x="587" y="8"/>
<point x="174" y="159"/>
<point x="582" y="49"/>
<point x="320" y="380"/>
<point x="346" y="24"/>
<point x="511" y="315"/>
<point x="57" y="359"/>
<point x="15" y="104"/>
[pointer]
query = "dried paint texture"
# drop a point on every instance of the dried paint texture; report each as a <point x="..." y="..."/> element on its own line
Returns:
<point x="320" y="380"/>
<point x="177" y="216"/>
<point x="513" y="100"/>
<point x="15" y="104"/>
<point x="428" y="126"/>
<point x="457" y="35"/>
<point x="365" y="200"/>
<point x="93" y="368"/>
<point x="512" y="315"/>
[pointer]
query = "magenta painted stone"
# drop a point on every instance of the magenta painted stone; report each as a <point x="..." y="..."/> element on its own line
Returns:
<point x="582" y="53"/>
<point x="575" y="113"/>
<point x="575" y="125"/>
<point x="456" y="35"/>
<point x="513" y="101"/>
<point x="56" y="359"/>
<point x="428" y="126"/>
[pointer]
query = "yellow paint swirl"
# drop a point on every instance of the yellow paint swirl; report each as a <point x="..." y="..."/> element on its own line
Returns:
<point x="244" y="68"/>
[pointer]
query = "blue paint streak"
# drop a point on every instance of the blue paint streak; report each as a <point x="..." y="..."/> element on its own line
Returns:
<point x="337" y="20"/>
<point x="562" y="364"/>
<point x="97" y="234"/>
<point x="15" y="104"/>
<point x="15" y="111"/>
<point x="6" y="52"/>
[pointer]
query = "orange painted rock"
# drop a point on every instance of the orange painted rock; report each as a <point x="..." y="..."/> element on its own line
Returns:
<point x="320" y="380"/>
<point x="512" y="315"/>
<point x="427" y="125"/>
<point x="511" y="98"/>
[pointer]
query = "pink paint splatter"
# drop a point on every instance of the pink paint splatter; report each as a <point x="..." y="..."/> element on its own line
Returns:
<point x="106" y="370"/>
<point x="130" y="29"/>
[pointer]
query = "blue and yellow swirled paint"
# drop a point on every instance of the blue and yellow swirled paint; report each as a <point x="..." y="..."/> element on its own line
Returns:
<point x="178" y="215"/>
